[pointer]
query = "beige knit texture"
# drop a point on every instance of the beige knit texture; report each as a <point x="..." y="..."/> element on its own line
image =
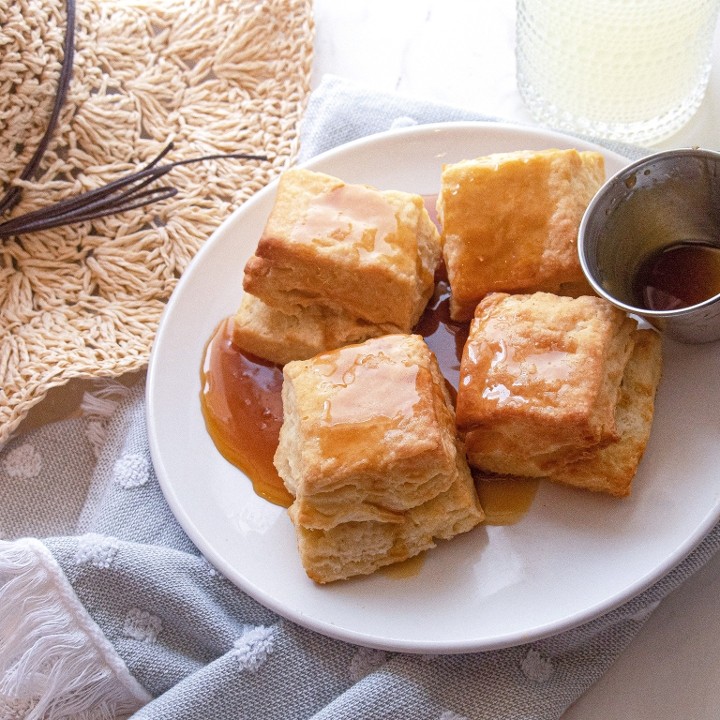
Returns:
<point x="211" y="76"/>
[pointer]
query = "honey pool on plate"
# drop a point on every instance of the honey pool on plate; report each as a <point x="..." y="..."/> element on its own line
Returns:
<point x="242" y="407"/>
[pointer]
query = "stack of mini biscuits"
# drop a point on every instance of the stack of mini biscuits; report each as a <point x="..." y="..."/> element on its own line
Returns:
<point x="554" y="382"/>
<point x="370" y="452"/>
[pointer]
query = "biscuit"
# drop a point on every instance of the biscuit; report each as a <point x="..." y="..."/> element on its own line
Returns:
<point x="510" y="222"/>
<point x="369" y="450"/>
<point x="280" y="337"/>
<point x="360" y="548"/>
<point x="368" y="432"/>
<point x="369" y="254"/>
<point x="611" y="468"/>
<point x="540" y="380"/>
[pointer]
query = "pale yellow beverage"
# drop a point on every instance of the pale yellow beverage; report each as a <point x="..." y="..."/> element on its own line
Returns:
<point x="630" y="70"/>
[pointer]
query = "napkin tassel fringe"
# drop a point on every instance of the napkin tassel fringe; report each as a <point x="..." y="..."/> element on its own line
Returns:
<point x="55" y="662"/>
<point x="98" y="407"/>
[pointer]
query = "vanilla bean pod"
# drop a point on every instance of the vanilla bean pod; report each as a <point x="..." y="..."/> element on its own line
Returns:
<point x="78" y="203"/>
<point x="12" y="197"/>
<point x="126" y="193"/>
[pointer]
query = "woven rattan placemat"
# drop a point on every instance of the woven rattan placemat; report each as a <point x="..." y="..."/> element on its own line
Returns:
<point x="212" y="76"/>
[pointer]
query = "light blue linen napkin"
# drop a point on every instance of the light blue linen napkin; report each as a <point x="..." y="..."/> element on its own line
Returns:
<point x="107" y="609"/>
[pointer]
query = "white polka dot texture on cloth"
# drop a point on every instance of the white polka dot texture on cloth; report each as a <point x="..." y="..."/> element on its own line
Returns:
<point x="142" y="625"/>
<point x="97" y="550"/>
<point x="537" y="667"/>
<point x="132" y="470"/>
<point x="24" y="461"/>
<point x="253" y="647"/>
<point x="366" y="661"/>
<point x="450" y="715"/>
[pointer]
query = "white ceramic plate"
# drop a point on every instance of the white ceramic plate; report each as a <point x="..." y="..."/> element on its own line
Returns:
<point x="573" y="557"/>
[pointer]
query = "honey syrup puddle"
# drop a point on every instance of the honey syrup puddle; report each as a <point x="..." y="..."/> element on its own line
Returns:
<point x="506" y="500"/>
<point x="242" y="407"/>
<point x="405" y="568"/>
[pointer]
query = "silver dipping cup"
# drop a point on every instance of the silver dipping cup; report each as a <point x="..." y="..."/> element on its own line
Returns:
<point x="657" y="202"/>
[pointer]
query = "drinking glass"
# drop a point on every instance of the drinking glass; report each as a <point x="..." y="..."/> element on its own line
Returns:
<point x="628" y="70"/>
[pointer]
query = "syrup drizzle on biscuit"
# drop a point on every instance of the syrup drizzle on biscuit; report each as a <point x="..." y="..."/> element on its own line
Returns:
<point x="364" y="408"/>
<point x="370" y="230"/>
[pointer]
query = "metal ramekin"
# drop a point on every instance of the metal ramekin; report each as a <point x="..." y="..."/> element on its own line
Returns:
<point x="660" y="200"/>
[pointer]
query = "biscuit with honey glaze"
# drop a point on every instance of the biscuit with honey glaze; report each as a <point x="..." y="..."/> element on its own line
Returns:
<point x="368" y="432"/>
<point x="280" y="337"/>
<point x="352" y="248"/>
<point x="540" y="380"/>
<point x="611" y="469"/>
<point x="510" y="222"/>
<point x="368" y="448"/>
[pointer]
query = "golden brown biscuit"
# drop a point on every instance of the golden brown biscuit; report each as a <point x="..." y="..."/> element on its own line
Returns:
<point x="350" y="248"/>
<point x="611" y="469"/>
<point x="540" y="380"/>
<point x="360" y="548"/>
<point x="510" y="221"/>
<point x="367" y="433"/>
<point x="280" y="337"/>
<point x="368" y="436"/>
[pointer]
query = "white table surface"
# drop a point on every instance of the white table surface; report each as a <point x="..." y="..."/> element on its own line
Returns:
<point x="461" y="52"/>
